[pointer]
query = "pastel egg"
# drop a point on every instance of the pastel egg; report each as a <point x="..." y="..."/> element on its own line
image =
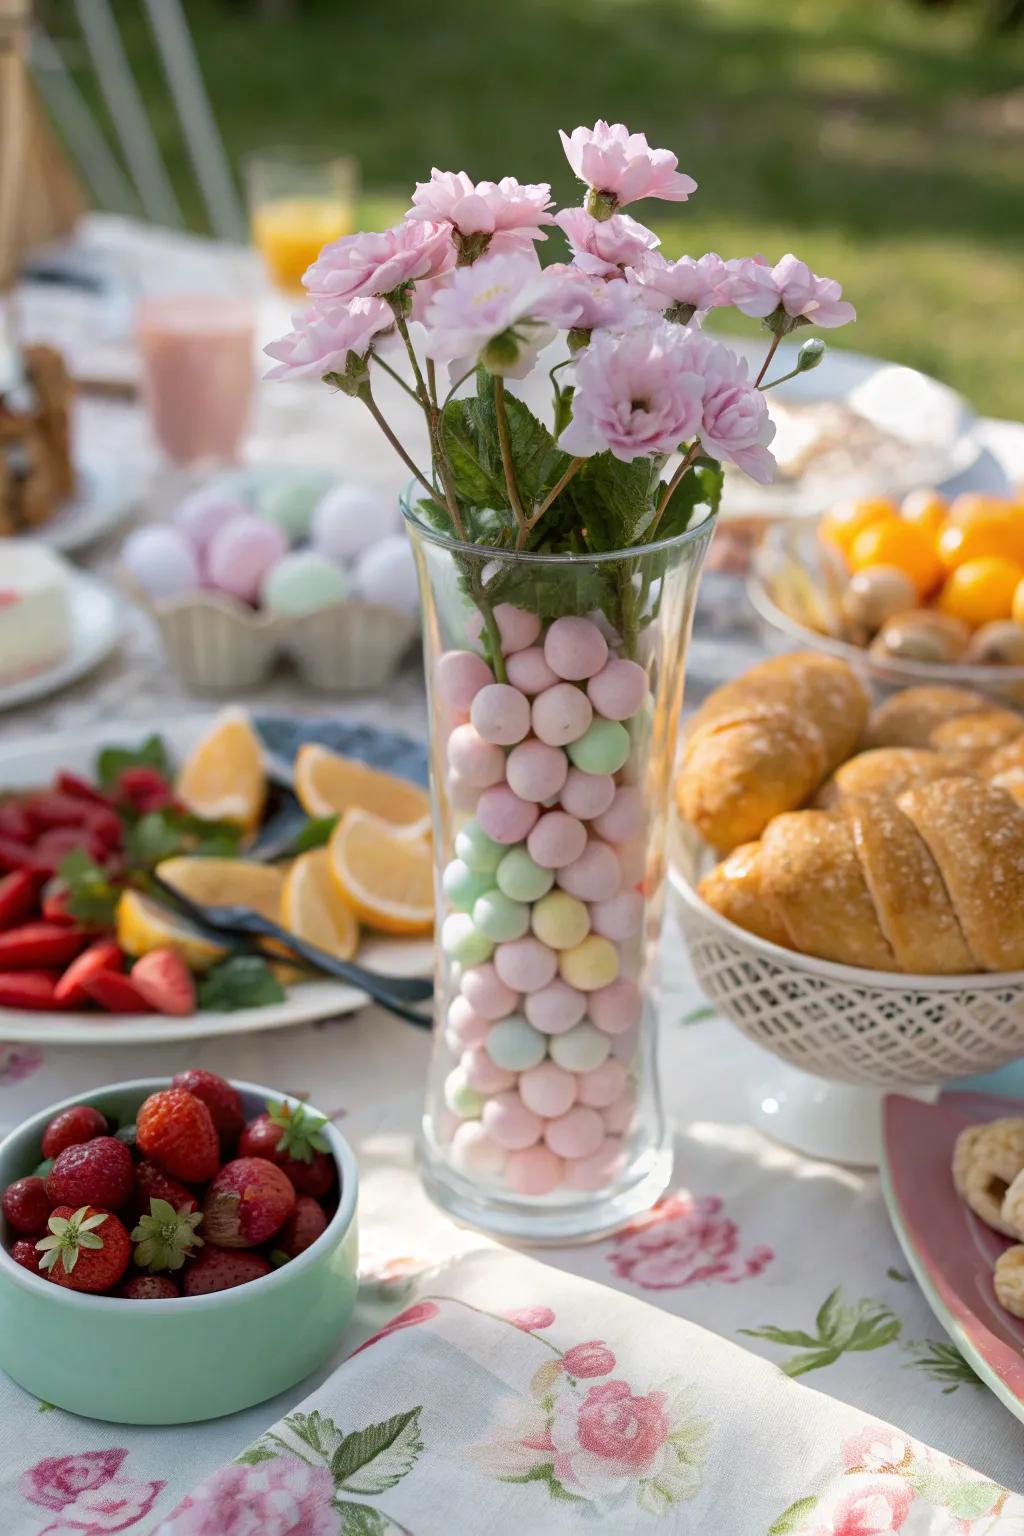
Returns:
<point x="555" y="1008"/>
<point x="560" y="920"/>
<point x="288" y="500"/>
<point x="498" y="917"/>
<point x="557" y="840"/>
<point x="603" y="747"/>
<point x="594" y="876"/>
<point x="468" y="1026"/>
<point x="241" y="553"/>
<point x="459" y="677"/>
<point x="618" y="1117"/>
<point x="575" y="648"/>
<point x="526" y="965"/>
<point x="619" y="689"/>
<point x="386" y="573"/>
<point x="513" y="1044"/>
<point x="587" y="795"/>
<point x="501" y="714"/>
<point x="476" y="849"/>
<point x="200" y="515"/>
<point x="486" y="993"/>
<point x="604" y="1085"/>
<point x="616" y="1007"/>
<point x="535" y="770"/>
<point x="507" y="1119"/>
<point x="349" y="518"/>
<point x="577" y="1133"/>
<point x="504" y="816"/>
<point x="619" y="917"/>
<point x="303" y="582"/>
<point x="529" y="672"/>
<point x="483" y="1073"/>
<point x="473" y="1151"/>
<point x="162" y="561"/>
<point x="536" y="1171"/>
<point x="597" y="1170"/>
<point x="460" y="1098"/>
<point x="561" y="714"/>
<point x="547" y="1089"/>
<point x="461" y="941"/>
<point x="624" y="817"/>
<point x="522" y="878"/>
<point x="580" y="1049"/>
<point x="463" y="885"/>
<point x="477" y="762"/>
<point x="591" y="964"/>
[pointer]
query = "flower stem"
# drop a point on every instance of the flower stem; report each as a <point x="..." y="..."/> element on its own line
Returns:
<point x="458" y="385"/>
<point x="396" y="376"/>
<point x="375" y="411"/>
<point x="792" y="374"/>
<point x="666" y="495"/>
<point x="767" y="362"/>
<point x="432" y="383"/>
<point x="506" y="462"/>
<point x="555" y="491"/>
<point x="433" y="416"/>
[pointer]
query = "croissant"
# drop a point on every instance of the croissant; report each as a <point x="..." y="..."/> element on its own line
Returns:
<point x="882" y="770"/>
<point x="762" y="744"/>
<point x="987" y="742"/>
<point x="969" y="740"/>
<point x="908" y="718"/>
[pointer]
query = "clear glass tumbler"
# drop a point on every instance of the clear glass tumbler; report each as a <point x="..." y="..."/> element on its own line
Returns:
<point x="300" y="199"/>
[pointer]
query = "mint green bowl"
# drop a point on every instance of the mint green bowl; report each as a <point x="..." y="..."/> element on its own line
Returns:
<point x="173" y="1362"/>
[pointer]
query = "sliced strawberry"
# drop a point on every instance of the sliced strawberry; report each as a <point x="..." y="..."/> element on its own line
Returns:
<point x="48" y="809"/>
<point x="17" y="855"/>
<point x="54" y="903"/>
<point x="52" y="847"/>
<point x="115" y="993"/>
<point x="77" y="788"/>
<point x="28" y="989"/>
<point x="18" y="894"/>
<point x="145" y="789"/>
<point x="14" y="823"/>
<point x="104" y="826"/>
<point x="165" y="982"/>
<point x="71" y="991"/>
<point x="38" y="946"/>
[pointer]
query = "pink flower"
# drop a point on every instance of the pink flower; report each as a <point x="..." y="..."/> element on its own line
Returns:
<point x="18" y="1062"/>
<point x="684" y="286"/>
<point x="621" y="166"/>
<point x="485" y="215"/>
<point x="607" y="304"/>
<point x="503" y="308"/>
<point x="57" y="1481"/>
<point x="790" y="288"/>
<point x="529" y="1319"/>
<point x="878" y="1448"/>
<point x="636" y="394"/>
<point x="420" y="1312"/>
<point x="373" y="265"/>
<point x="603" y="248"/>
<point x="608" y="1439"/>
<point x="114" y="1506"/>
<point x="856" y="1506"/>
<point x="681" y="1242"/>
<point x="735" y="425"/>
<point x="324" y="339"/>
<point x="281" y="1497"/>
<point x="590" y="1359"/>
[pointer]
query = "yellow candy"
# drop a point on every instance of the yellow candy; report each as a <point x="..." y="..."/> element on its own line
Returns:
<point x="591" y="964"/>
<point x="560" y="920"/>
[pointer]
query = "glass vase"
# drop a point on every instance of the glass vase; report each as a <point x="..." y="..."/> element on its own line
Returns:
<point x="555" y="684"/>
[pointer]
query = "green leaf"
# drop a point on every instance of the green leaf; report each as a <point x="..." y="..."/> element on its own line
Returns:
<point x="792" y="1517"/>
<point x="374" y="1459"/>
<point x="473" y="454"/>
<point x="315" y="834"/>
<point x="112" y="761"/>
<point x="240" y="981"/>
<point x="160" y="835"/>
<point x="800" y="1365"/>
<point x="700" y="486"/>
<point x="91" y="897"/>
<point x="944" y="1363"/>
<point x="612" y="502"/>
<point x="546" y="1474"/>
<point x="536" y="458"/>
<point x="783" y="1336"/>
<point x="875" y="1327"/>
<point x="317" y="1431"/>
<point x="965" y="1498"/>
<point x="895" y="1274"/>
<point x="361" y="1519"/>
<point x="698" y="1015"/>
<point x="833" y="1321"/>
<point x="255" y="1454"/>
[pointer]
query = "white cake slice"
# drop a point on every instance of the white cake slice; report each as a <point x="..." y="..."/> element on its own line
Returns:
<point x="35" y="624"/>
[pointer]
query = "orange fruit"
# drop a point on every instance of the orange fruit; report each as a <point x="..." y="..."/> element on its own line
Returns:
<point x="223" y="778"/>
<point x="1017" y="609"/>
<point x="981" y="590"/>
<point x="973" y="505"/>
<point x="328" y="785"/>
<point x="842" y="525"/>
<point x="312" y="909"/>
<point x="925" y="510"/>
<point x="384" y="873"/>
<point x="991" y="533"/>
<point x="901" y="544"/>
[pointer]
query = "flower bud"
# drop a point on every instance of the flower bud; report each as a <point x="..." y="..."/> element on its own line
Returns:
<point x="472" y="246"/>
<point x="356" y="377"/>
<point x="601" y="205"/>
<point x="680" y="314"/>
<point x="500" y="353"/>
<point x="577" y="340"/>
<point x="810" y="354"/>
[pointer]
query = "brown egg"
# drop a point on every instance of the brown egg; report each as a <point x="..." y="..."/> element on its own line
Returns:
<point x="921" y="635"/>
<point x="876" y="594"/>
<point x="999" y="644"/>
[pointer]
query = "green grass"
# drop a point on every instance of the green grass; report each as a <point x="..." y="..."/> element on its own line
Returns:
<point x="880" y="140"/>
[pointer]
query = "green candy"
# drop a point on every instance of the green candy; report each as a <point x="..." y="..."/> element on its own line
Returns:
<point x="603" y="747"/>
<point x="521" y="878"/>
<point x="460" y="1098"/>
<point x="463" y="886"/>
<point x="500" y="918"/>
<point x="461" y="941"/>
<point x="480" y="852"/>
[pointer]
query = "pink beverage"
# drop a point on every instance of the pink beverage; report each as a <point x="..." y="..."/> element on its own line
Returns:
<point x="198" y="373"/>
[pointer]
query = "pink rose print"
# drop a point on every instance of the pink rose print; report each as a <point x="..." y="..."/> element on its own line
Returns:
<point x="681" y="1241"/>
<point x="18" y="1062"/>
<point x="101" y="1511"/>
<point x="878" y="1448"/>
<point x="422" y="1312"/>
<point x="609" y="1439"/>
<point x="861" y="1507"/>
<point x="57" y="1482"/>
<point x="280" y="1497"/>
<point x="590" y="1359"/>
<point x="529" y="1319"/>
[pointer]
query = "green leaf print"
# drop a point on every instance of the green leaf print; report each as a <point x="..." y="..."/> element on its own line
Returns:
<point x="361" y="1520"/>
<point x="376" y="1458"/>
<point x="792" y="1517"/>
<point x="943" y="1362"/>
<point x="839" y="1330"/>
<point x="255" y="1453"/>
<point x="317" y="1431"/>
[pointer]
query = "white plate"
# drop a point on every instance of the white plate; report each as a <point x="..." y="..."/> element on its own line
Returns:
<point x="95" y="628"/>
<point x="29" y="764"/>
<point x="105" y="497"/>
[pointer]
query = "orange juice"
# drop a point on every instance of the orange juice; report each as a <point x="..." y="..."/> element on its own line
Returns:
<point x="291" y="231"/>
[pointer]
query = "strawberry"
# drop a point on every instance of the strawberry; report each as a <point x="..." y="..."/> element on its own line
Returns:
<point x="79" y="1123"/>
<point x="23" y="1252"/>
<point x="294" y="1140"/>
<point x="176" y="1130"/>
<point x="28" y="989"/>
<point x="53" y="904"/>
<point x="306" y="1223"/>
<point x="149" y="1288"/>
<point x="52" y="847"/>
<point x="49" y="808"/>
<point x="151" y="1183"/>
<point x="218" y="1269"/>
<point x="114" y="992"/>
<point x="144" y="789"/>
<point x="87" y="1249"/>
<point x="103" y="955"/>
<point x="76" y="788"/>
<point x="37" y="946"/>
<point x="26" y="1206"/>
<point x="14" y="823"/>
<point x="248" y="1201"/>
<point x="104" y="826"/>
<point x="96" y="1172"/>
<point x="166" y="1237"/>
<point x="220" y="1098"/>
<point x="165" y="982"/>
<point x="18" y="855"/>
<point x="18" y="892"/>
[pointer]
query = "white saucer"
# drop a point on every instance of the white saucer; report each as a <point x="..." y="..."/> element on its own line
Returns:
<point x="95" y="629"/>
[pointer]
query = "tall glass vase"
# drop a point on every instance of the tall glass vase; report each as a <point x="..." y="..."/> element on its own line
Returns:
<point x="555" y="684"/>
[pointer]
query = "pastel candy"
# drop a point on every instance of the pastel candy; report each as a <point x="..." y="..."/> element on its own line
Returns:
<point x="517" y="627"/>
<point x="200" y="515"/>
<point x="624" y="817"/>
<point x="501" y="714"/>
<point x="534" y="770"/>
<point x="453" y="1044"/>
<point x="463" y="885"/>
<point x="461" y="796"/>
<point x="459" y="677"/>
<point x="555" y="1008"/>
<point x="619" y="689"/>
<point x="468" y="1026"/>
<point x="604" y="1085"/>
<point x="460" y="1098"/>
<point x="557" y="839"/>
<point x="241" y="553"/>
<point x="486" y="993"/>
<point x="575" y="648"/>
<point x="477" y="762"/>
<point x="560" y="920"/>
<point x="473" y="1151"/>
<point x="529" y="672"/>
<point x="577" y="1133"/>
<point x="499" y="918"/>
<point x="476" y="849"/>
<point x="504" y="816"/>
<point x="483" y="1073"/>
<point x="616" y="1007"/>
<point x="507" y="1119"/>
<point x="561" y="714"/>
<point x="513" y="1044"/>
<point x="303" y="582"/>
<point x="461" y="941"/>
<point x="521" y="878"/>
<point x="591" y="964"/>
<point x="162" y="561"/>
<point x="288" y="501"/>
<point x="581" y="1049"/>
<point x="598" y="1170"/>
<point x="526" y="964"/>
<point x="603" y="747"/>
<point x="594" y="876"/>
<point x="618" y="1117"/>
<point x="587" y="795"/>
<point x="537" y="1171"/>
<point x="619" y="917"/>
<point x="348" y="519"/>
<point x="386" y="573"/>
<point x="547" y="1089"/>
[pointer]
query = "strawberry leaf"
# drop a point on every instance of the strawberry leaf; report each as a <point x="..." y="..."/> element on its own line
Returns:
<point x="112" y="761"/>
<point x="241" y="981"/>
<point x="91" y="896"/>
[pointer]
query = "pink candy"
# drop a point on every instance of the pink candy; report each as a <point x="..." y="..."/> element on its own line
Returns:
<point x="557" y="840"/>
<point x="504" y="816"/>
<point x="507" y="1119"/>
<point x="534" y="770"/>
<point x="575" y="648"/>
<point x="616" y="1007"/>
<point x="483" y="993"/>
<point x="478" y="763"/>
<point x="516" y="626"/>
<point x="619" y="917"/>
<point x="587" y="795"/>
<point x="459" y="677"/>
<point x="555" y="1008"/>
<point x="482" y="1073"/>
<point x="547" y="1089"/>
<point x="602" y="1086"/>
<point x="618" y="1117"/>
<point x="526" y="964"/>
<point x="594" y="876"/>
<point x="475" y="1152"/>
<point x="561" y="714"/>
<point x="624" y="817"/>
<point x="619" y="689"/>
<point x="577" y="1133"/>
<point x="501" y="714"/>
<point x="468" y="1026"/>
<point x="537" y="1171"/>
<point x="241" y="553"/>
<point x="528" y="671"/>
<point x="594" y="1172"/>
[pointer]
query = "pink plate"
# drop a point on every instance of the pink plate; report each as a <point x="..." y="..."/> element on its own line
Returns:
<point x="950" y="1251"/>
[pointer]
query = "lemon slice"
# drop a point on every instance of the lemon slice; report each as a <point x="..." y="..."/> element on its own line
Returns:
<point x="142" y="925"/>
<point x="312" y="908"/>
<point x="384" y="874"/>
<point x="328" y="784"/>
<point x="223" y="778"/>
<point x="227" y="882"/>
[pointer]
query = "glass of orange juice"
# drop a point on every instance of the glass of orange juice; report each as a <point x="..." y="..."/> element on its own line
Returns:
<point x="299" y="200"/>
